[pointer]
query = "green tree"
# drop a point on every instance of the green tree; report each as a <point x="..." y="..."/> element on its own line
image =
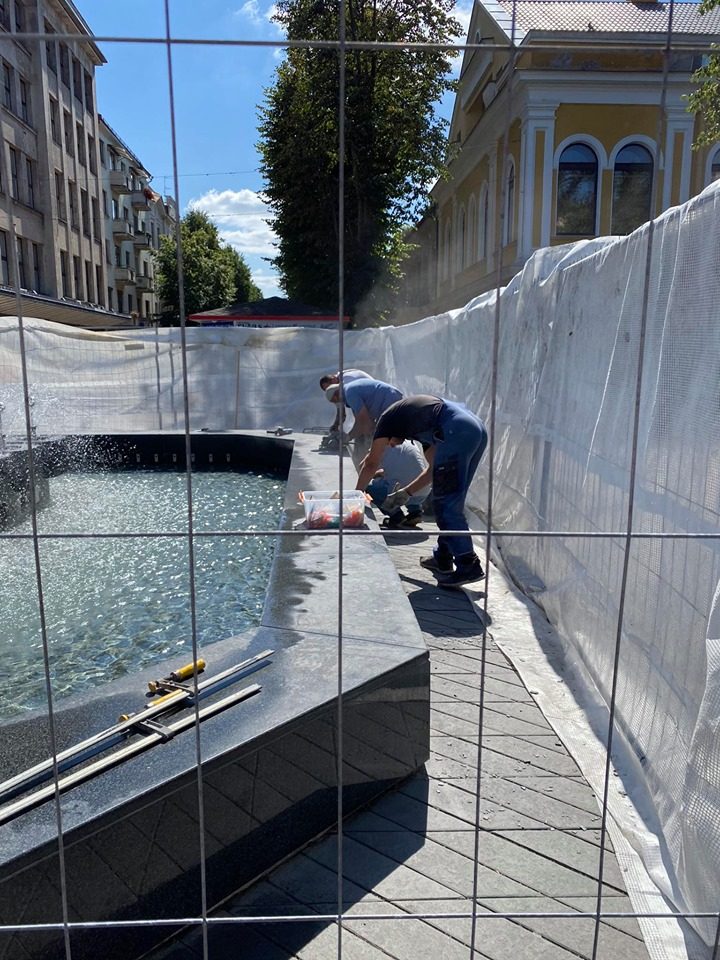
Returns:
<point x="394" y="143"/>
<point x="706" y="99"/>
<point x="214" y="274"/>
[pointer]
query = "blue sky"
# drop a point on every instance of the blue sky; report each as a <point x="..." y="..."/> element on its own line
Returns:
<point x="217" y="92"/>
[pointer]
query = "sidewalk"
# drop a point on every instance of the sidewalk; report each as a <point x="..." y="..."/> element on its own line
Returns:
<point x="411" y="854"/>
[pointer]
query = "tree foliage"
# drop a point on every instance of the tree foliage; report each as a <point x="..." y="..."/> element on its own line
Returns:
<point x="706" y="99"/>
<point x="394" y="143"/>
<point x="214" y="273"/>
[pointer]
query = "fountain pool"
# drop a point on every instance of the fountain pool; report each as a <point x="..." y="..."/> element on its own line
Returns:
<point x="114" y="605"/>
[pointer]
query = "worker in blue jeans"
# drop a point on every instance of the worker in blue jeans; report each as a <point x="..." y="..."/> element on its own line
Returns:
<point x="454" y="440"/>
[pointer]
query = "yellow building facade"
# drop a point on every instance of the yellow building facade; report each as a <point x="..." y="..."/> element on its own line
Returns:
<point x="570" y="122"/>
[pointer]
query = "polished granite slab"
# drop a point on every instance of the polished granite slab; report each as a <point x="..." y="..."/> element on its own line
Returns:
<point x="142" y="840"/>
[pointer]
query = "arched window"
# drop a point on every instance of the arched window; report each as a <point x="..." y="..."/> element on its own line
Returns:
<point x="577" y="180"/>
<point x="470" y="232"/>
<point x="509" y="230"/>
<point x="460" y="242"/>
<point x="715" y="166"/>
<point x="445" y="272"/>
<point x="483" y="214"/>
<point x="632" y="188"/>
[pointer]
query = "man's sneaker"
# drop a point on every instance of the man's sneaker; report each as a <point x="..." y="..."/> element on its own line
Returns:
<point x="441" y="565"/>
<point x="462" y="575"/>
<point x="412" y="520"/>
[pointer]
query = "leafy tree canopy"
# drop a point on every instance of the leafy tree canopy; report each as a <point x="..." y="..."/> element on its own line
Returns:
<point x="394" y="144"/>
<point x="706" y="99"/>
<point x="214" y="273"/>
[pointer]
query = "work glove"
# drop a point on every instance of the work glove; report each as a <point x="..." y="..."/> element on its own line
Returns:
<point x="395" y="500"/>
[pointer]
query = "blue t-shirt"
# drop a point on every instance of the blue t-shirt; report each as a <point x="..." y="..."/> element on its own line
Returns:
<point x="375" y="395"/>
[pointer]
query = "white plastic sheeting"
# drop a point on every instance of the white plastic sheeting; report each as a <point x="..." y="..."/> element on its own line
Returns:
<point x="569" y="340"/>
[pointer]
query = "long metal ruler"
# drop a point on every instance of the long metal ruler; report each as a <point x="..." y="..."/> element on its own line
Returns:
<point x="150" y="738"/>
<point x="111" y="736"/>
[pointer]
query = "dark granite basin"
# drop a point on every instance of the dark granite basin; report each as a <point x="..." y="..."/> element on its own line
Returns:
<point x="132" y="836"/>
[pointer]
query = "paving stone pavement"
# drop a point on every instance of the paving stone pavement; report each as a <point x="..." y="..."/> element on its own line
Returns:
<point x="414" y="856"/>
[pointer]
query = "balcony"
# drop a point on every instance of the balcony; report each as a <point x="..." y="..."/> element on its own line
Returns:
<point x="144" y="284"/>
<point x="140" y="200"/>
<point x="124" y="276"/>
<point x="142" y="240"/>
<point x="119" y="182"/>
<point x="122" y="230"/>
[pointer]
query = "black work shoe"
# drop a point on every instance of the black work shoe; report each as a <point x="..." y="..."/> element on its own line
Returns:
<point x="412" y="520"/>
<point x="462" y="575"/>
<point x="395" y="521"/>
<point x="442" y="565"/>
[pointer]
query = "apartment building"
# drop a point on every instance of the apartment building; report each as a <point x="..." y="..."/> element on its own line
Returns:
<point x="135" y="217"/>
<point x="61" y="249"/>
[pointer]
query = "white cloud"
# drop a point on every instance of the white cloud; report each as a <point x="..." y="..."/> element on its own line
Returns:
<point x="258" y="16"/>
<point x="241" y="217"/>
<point x="250" y="11"/>
<point x="463" y="12"/>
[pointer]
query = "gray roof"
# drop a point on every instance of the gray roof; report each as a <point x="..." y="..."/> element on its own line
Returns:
<point x="603" y="16"/>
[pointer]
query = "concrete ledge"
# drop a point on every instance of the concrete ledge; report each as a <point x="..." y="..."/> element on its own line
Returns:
<point x="269" y="765"/>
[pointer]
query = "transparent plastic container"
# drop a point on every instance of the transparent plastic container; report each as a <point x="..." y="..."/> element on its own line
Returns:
<point x="323" y="508"/>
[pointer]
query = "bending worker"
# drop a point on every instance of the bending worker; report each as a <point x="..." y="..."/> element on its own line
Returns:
<point x="367" y="399"/>
<point x="454" y="440"/>
<point x="348" y="376"/>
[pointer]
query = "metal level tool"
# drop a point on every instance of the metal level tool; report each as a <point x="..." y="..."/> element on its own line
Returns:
<point x="152" y="734"/>
<point x="128" y="724"/>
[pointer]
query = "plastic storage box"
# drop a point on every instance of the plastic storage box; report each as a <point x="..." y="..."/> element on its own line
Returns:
<point x="323" y="508"/>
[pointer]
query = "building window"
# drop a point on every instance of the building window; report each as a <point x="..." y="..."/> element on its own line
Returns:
<point x="445" y="262"/>
<point x="73" y="204"/>
<point x="77" y="80"/>
<point x="509" y="224"/>
<point x="8" y="86"/>
<point x="55" y="121"/>
<point x="632" y="188"/>
<point x="129" y="303"/>
<point x="92" y="162"/>
<point x="106" y="211"/>
<point x="80" y="143"/>
<point x="19" y="17"/>
<point x="5" y="14"/>
<point x="67" y="124"/>
<point x="60" y="194"/>
<point x="25" y="102"/>
<point x="88" y="92"/>
<point x="103" y="161"/>
<point x="64" y="274"/>
<point x="483" y="223"/>
<point x="97" y="227"/>
<point x="576" y="191"/>
<point x="110" y="298"/>
<point x="715" y="167"/>
<point x="118" y="261"/>
<point x="99" y="286"/>
<point x="65" y="65"/>
<point x="89" y="281"/>
<point x="85" y="212"/>
<point x="50" y="50"/>
<point x="30" y="176"/>
<point x="77" y="277"/>
<point x="36" y="268"/>
<point x="22" y="275"/>
<point x="4" y="262"/>
<point x="14" y="182"/>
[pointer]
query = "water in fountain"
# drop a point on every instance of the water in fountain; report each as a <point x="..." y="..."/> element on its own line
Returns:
<point x="114" y="605"/>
